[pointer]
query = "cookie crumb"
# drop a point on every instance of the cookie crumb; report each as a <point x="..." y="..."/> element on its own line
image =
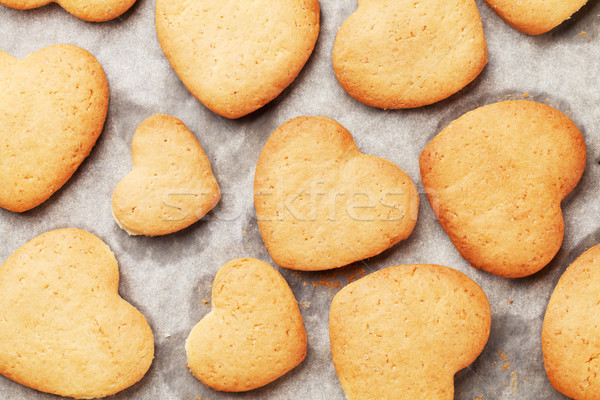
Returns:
<point x="506" y="366"/>
<point x="205" y="301"/>
<point x="526" y="95"/>
<point x="514" y="383"/>
<point x="502" y="355"/>
<point x="478" y="398"/>
<point x="582" y="34"/>
<point x="510" y="302"/>
<point x="167" y="335"/>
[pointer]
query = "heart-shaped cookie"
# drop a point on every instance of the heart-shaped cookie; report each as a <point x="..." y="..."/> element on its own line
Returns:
<point x="570" y="336"/>
<point x="322" y="204"/>
<point x="403" y="332"/>
<point x="535" y="17"/>
<point x="236" y="56"/>
<point x="52" y="110"/>
<point x="495" y="179"/>
<point x="88" y="10"/>
<point x="254" y="333"/>
<point x="171" y="185"/>
<point x="406" y="53"/>
<point x="64" y="329"/>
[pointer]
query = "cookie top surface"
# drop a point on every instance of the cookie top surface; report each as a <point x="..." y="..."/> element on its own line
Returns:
<point x="171" y="185"/>
<point x="403" y="332"/>
<point x="495" y="178"/>
<point x="570" y="335"/>
<point x="322" y="204"/>
<point x="236" y="56"/>
<point x="254" y="333"/>
<point x="535" y="17"/>
<point x="52" y="109"/>
<point x="88" y="10"/>
<point x="64" y="329"/>
<point x="405" y="53"/>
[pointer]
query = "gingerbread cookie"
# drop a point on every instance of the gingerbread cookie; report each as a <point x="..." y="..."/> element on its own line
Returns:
<point x="322" y="204"/>
<point x="535" y="17"/>
<point x="88" y="10"/>
<point x="405" y="53"/>
<point x="495" y="179"/>
<point x="64" y="329"/>
<point x="570" y="336"/>
<point x="52" y="110"/>
<point x="403" y="332"/>
<point x="171" y="185"/>
<point x="236" y="56"/>
<point x="254" y="333"/>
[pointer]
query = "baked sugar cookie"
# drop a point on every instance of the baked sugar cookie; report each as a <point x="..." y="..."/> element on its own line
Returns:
<point x="405" y="53"/>
<point x="88" y="10"/>
<point x="64" y="329"/>
<point x="236" y="56"/>
<point x="52" y="110"/>
<point x="171" y="185"/>
<point x="570" y="336"/>
<point x="535" y="17"/>
<point x="254" y="333"/>
<point x="403" y="332"/>
<point x="495" y="179"/>
<point x="322" y="204"/>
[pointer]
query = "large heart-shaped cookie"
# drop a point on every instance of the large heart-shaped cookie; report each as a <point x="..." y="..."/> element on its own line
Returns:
<point x="64" y="329"/>
<point x="236" y="56"/>
<point x="254" y="333"/>
<point x="406" y="53"/>
<point x="322" y="204"/>
<point x="52" y="110"/>
<point x="88" y="10"/>
<point x="495" y="178"/>
<point x="535" y="17"/>
<point x="403" y="332"/>
<point x="570" y="336"/>
<point x="171" y="185"/>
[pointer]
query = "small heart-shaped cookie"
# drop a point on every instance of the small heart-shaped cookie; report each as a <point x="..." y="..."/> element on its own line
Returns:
<point x="406" y="53"/>
<point x="535" y="17"/>
<point x="322" y="204"/>
<point x="64" y="329"/>
<point x="495" y="179"/>
<point x="403" y="332"/>
<point x="236" y="56"/>
<point x="570" y="336"/>
<point x="171" y="185"/>
<point x="52" y="110"/>
<point x="88" y="10"/>
<point x="254" y="333"/>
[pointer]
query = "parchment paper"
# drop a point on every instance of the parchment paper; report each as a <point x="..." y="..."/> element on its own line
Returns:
<point x="168" y="278"/>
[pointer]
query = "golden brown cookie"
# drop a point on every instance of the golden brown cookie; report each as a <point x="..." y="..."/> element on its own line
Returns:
<point x="405" y="53"/>
<point x="88" y="10"/>
<point x="171" y="185"/>
<point x="535" y="17"/>
<point x="52" y="110"/>
<point x="254" y="333"/>
<point x="322" y="204"/>
<point x="403" y="332"/>
<point x="570" y="336"/>
<point x="236" y="56"/>
<point x="64" y="329"/>
<point x="495" y="179"/>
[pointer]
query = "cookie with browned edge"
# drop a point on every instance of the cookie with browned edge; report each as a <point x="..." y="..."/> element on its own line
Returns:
<point x="254" y="332"/>
<point x="495" y="178"/>
<point x="402" y="333"/>
<point x="64" y="329"/>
